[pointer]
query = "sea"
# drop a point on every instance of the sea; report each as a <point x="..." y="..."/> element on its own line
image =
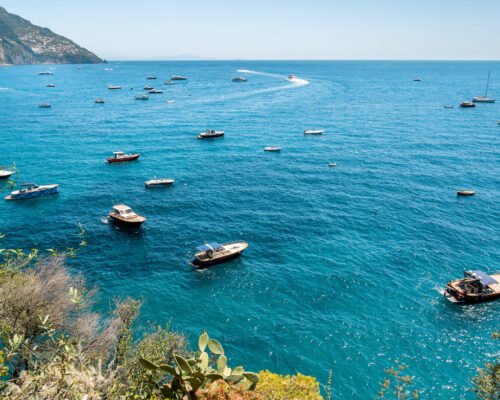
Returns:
<point x="344" y="263"/>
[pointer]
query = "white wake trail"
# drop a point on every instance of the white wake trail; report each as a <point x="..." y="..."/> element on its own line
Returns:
<point x="295" y="81"/>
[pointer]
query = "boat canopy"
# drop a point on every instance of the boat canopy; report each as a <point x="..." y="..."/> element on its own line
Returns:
<point x="482" y="277"/>
<point x="29" y="185"/>
<point x="209" y="246"/>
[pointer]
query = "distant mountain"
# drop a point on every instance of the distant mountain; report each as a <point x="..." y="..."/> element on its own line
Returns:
<point x="21" y="42"/>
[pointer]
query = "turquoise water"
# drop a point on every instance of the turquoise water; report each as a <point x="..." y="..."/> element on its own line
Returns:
<point x="344" y="263"/>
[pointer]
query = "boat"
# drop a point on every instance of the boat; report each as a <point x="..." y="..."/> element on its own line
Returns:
<point x="44" y="105"/>
<point x="448" y="107"/>
<point x="51" y="85"/>
<point x="99" y="101"/>
<point x="466" y="192"/>
<point x="155" y="91"/>
<point x="169" y="82"/>
<point x="120" y="156"/>
<point x="6" y="174"/>
<point x="240" y="79"/>
<point x="214" y="253"/>
<point x="178" y="78"/>
<point x="332" y="164"/>
<point x="32" y="190"/>
<point x="485" y="98"/>
<point x="417" y="80"/>
<point x="272" y="148"/>
<point x="475" y="287"/>
<point x="114" y="87"/>
<point x="142" y="97"/>
<point x="170" y="101"/>
<point x="291" y="77"/>
<point x="314" y="131"/>
<point x="125" y="216"/>
<point x="208" y="134"/>
<point x="151" y="77"/>
<point x="46" y="73"/>
<point x="155" y="182"/>
<point x="148" y="87"/>
<point x="467" y="104"/>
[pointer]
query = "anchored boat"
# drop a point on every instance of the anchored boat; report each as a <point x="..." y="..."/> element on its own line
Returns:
<point x="114" y="87"/>
<point x="148" y="87"/>
<point x="215" y="253"/>
<point x="32" y="190"/>
<point x="240" y="79"/>
<point x="6" y="174"/>
<point x="155" y="182"/>
<point x="151" y="77"/>
<point x="44" y="105"/>
<point x="485" y="98"/>
<point x="125" y="216"/>
<point x="314" y="131"/>
<point x="178" y="78"/>
<point x="467" y="104"/>
<point x="475" y="287"/>
<point x="46" y="73"/>
<point x="208" y="134"/>
<point x="272" y="148"/>
<point x="155" y="91"/>
<point x="142" y="97"/>
<point x="120" y="156"/>
<point x="99" y="101"/>
<point x="466" y="192"/>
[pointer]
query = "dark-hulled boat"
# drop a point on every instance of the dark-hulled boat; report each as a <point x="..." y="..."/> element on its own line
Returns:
<point x="214" y="253"/>
<point x="123" y="215"/>
<point x="208" y="134"/>
<point x="32" y="190"/>
<point x="178" y="78"/>
<point x="467" y="104"/>
<point x="120" y="156"/>
<point x="475" y="287"/>
<point x="240" y="79"/>
<point x="466" y="192"/>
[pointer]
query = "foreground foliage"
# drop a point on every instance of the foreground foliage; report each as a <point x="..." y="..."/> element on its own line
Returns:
<point x="487" y="382"/>
<point x="296" y="387"/>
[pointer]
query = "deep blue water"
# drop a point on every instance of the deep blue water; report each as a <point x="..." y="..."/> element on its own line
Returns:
<point x="344" y="263"/>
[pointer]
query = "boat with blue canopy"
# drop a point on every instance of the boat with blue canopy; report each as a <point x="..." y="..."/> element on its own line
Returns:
<point x="32" y="190"/>
<point x="475" y="287"/>
<point x="214" y="253"/>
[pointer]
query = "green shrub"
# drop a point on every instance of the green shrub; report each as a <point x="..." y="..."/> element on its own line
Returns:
<point x="290" y="387"/>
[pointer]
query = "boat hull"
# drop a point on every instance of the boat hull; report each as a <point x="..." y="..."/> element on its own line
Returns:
<point x="467" y="299"/>
<point x="209" y="263"/>
<point x="125" y="223"/>
<point x="211" y="136"/>
<point x="6" y="174"/>
<point x="45" y="191"/>
<point x="112" y="160"/>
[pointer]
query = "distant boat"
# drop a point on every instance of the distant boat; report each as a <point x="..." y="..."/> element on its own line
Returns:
<point x="142" y="97"/>
<point x="155" y="182"/>
<point x="208" y="134"/>
<point x="151" y="77"/>
<point x="291" y="77"/>
<point x="51" y="85"/>
<point x="448" y="107"/>
<point x="272" y="148"/>
<point x="475" y="287"/>
<point x="169" y="82"/>
<point x="120" y="156"/>
<point x="240" y="79"/>
<point x="214" y="253"/>
<point x="32" y="190"/>
<point x="114" y="87"/>
<point x="155" y="91"/>
<point x="332" y="164"/>
<point x="170" y="101"/>
<point x="466" y="192"/>
<point x="314" y="131"/>
<point x="467" y="104"/>
<point x="485" y="98"/>
<point x="46" y="73"/>
<point x="44" y="105"/>
<point x="6" y="174"/>
<point x="417" y="80"/>
<point x="148" y="87"/>
<point x="99" y="101"/>
<point x="178" y="78"/>
<point x="125" y="216"/>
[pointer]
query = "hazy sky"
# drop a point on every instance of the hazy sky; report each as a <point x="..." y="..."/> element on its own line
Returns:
<point x="274" y="29"/>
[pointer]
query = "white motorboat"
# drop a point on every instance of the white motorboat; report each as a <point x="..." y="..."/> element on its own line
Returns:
<point x="114" y="87"/>
<point x="32" y="190"/>
<point x="155" y="182"/>
<point x="314" y="131"/>
<point x="99" y="101"/>
<point x="208" y="134"/>
<point x="6" y="174"/>
<point x="142" y="97"/>
<point x="214" y="253"/>
<point x="272" y="148"/>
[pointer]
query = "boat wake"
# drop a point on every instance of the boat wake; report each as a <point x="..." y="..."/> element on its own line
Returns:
<point x="105" y="220"/>
<point x="296" y="81"/>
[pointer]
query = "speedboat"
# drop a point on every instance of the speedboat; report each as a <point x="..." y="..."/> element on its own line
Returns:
<point x="178" y="78"/>
<point x="125" y="216"/>
<point x="332" y="164"/>
<point x="475" y="287"/>
<point x="46" y="73"/>
<point x="272" y="148"/>
<point x="417" y="80"/>
<point x="314" y="131"/>
<point x="155" y="182"/>
<point x="99" y="101"/>
<point x="32" y="190"/>
<point x="6" y="174"/>
<point x="148" y="87"/>
<point x="467" y="104"/>
<point x="142" y="97"/>
<point x="120" y="156"/>
<point x="291" y="77"/>
<point x="240" y="79"/>
<point x="210" y="134"/>
<point x="466" y="192"/>
<point x="51" y="85"/>
<point x="483" y="99"/>
<point x="214" y="253"/>
<point x="114" y="87"/>
<point x="151" y="77"/>
<point x="155" y="91"/>
<point x="44" y="105"/>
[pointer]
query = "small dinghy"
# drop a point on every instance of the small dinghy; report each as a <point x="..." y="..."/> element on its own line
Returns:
<point x="155" y="91"/>
<point x="6" y="174"/>
<point x="240" y="79"/>
<point x="123" y="215"/>
<point x="151" y="77"/>
<point x="475" y="287"/>
<point x="466" y="192"/>
<point x="314" y="131"/>
<point x="208" y="134"/>
<point x="332" y="164"/>
<point x="51" y="85"/>
<point x="44" y="105"/>
<point x="32" y="190"/>
<point x="417" y="80"/>
<point x="448" y="107"/>
<point x="272" y="148"/>
<point x="214" y="253"/>
<point x="142" y="97"/>
<point x="99" y="101"/>
<point x="46" y="73"/>
<point x="120" y="156"/>
<point x="114" y="87"/>
<point x="169" y="82"/>
<point x="148" y="87"/>
<point x="155" y="182"/>
<point x="467" y="104"/>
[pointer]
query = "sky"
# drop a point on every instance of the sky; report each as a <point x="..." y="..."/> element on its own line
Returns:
<point x="274" y="29"/>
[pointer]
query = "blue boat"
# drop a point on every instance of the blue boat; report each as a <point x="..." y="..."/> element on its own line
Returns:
<point x="32" y="190"/>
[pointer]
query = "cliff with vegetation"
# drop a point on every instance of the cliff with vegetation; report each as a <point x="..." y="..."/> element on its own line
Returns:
<point x="21" y="42"/>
